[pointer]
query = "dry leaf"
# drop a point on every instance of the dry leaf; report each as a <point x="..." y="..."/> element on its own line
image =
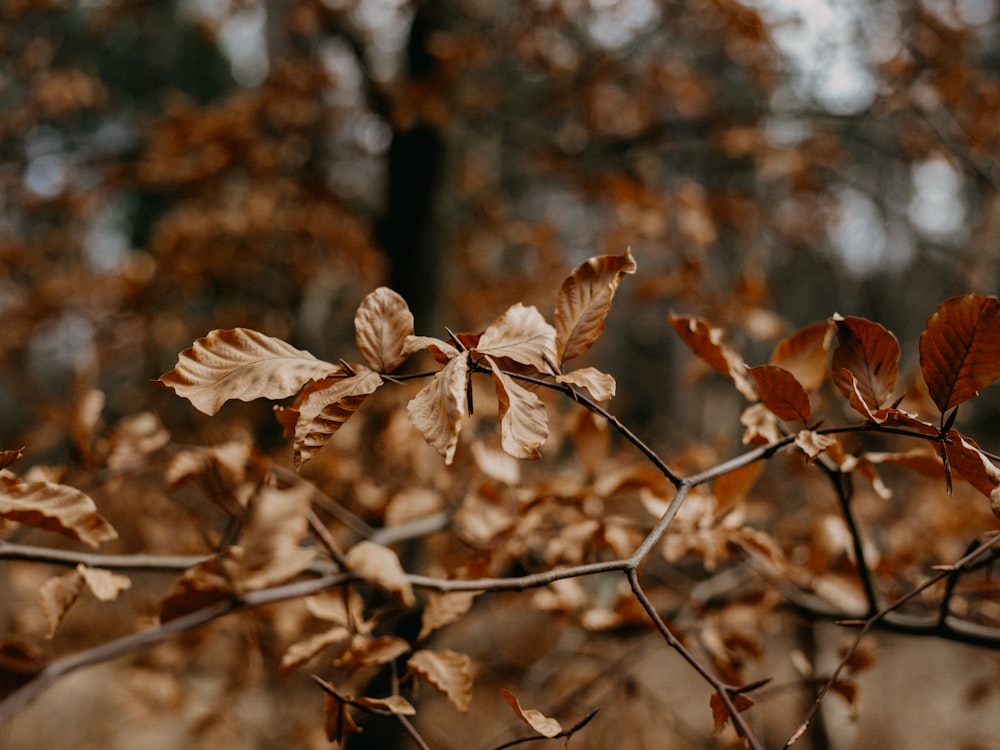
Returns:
<point x="57" y="595"/>
<point x="221" y="470"/>
<point x="584" y="301"/>
<point x="241" y="364"/>
<point x="302" y="651"/>
<point x="720" y="714"/>
<point x="382" y="326"/>
<point x="326" y="409"/>
<point x="523" y="335"/>
<point x="365" y="651"/>
<point x="869" y="353"/>
<point x="542" y="724"/>
<point x="270" y="550"/>
<point x="53" y="507"/>
<point x="971" y="463"/>
<point x="443" y="609"/>
<point x="380" y="565"/>
<point x="523" y="422"/>
<point x="601" y="385"/>
<point x="9" y="457"/>
<point x="395" y="704"/>
<point x="104" y="584"/>
<point x="960" y="349"/>
<point x="201" y="586"/>
<point x="813" y="443"/>
<point x="706" y="342"/>
<point x="782" y="393"/>
<point x="804" y="354"/>
<point x="448" y="671"/>
<point x="440" y="408"/>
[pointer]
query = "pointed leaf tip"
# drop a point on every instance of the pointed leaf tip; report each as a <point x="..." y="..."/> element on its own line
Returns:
<point x="869" y="353"/>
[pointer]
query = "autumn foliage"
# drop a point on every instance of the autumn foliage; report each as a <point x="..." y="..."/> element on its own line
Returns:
<point x="281" y="538"/>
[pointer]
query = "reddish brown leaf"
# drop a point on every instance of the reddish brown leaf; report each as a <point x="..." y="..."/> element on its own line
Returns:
<point x="584" y="301"/>
<point x="870" y="353"/>
<point x="448" y="671"/>
<point x="53" y="507"/>
<point x="542" y="724"/>
<point x="9" y="457"/>
<point x="381" y="566"/>
<point x="382" y="326"/>
<point x="600" y="384"/>
<point x="523" y="335"/>
<point x="969" y="461"/>
<point x="706" y="342"/>
<point x="960" y="349"/>
<point x="720" y="714"/>
<point x="440" y="408"/>
<point x="804" y="354"/>
<point x="523" y="422"/>
<point x="241" y="364"/>
<point x="782" y="393"/>
<point x="325" y="410"/>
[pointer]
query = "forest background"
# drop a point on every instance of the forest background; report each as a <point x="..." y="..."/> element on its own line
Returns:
<point x="171" y="168"/>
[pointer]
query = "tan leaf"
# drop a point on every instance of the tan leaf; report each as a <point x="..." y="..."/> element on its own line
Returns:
<point x="542" y="724"/>
<point x="200" y="586"/>
<point x="496" y="464"/>
<point x="707" y="343"/>
<point x="136" y="437"/>
<point x="782" y="393"/>
<point x="584" y="301"/>
<point x="600" y="384"/>
<point x="523" y="335"/>
<point x="221" y="470"/>
<point x="104" y="584"/>
<point x="523" y="421"/>
<point x="367" y="651"/>
<point x="382" y="324"/>
<point x="271" y="538"/>
<point x="870" y="354"/>
<point x="804" y="354"/>
<point x="442" y="351"/>
<point x="960" y="349"/>
<point x="57" y="595"/>
<point x="440" y="408"/>
<point x="448" y="671"/>
<point x="443" y="609"/>
<point x="380" y="565"/>
<point x="241" y="364"/>
<point x="735" y="485"/>
<point x="342" y="606"/>
<point x="53" y="507"/>
<point x="337" y="719"/>
<point x="302" y="651"/>
<point x="395" y="704"/>
<point x="9" y="457"/>
<point x="813" y="443"/>
<point x="720" y="714"/>
<point x="325" y="410"/>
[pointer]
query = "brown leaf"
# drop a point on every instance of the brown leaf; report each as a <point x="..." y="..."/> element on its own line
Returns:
<point x="584" y="301"/>
<point x="325" y="410"/>
<point x="302" y="651"/>
<point x="337" y="719"/>
<point x="448" y="671"/>
<point x="53" y="507"/>
<point x="735" y="485"/>
<point x="523" y="421"/>
<point x="57" y="595"/>
<point x="971" y="463"/>
<point x="600" y="384"/>
<point x="804" y="354"/>
<point x="720" y="714"/>
<point x="201" y="586"/>
<point x="523" y="335"/>
<point x="270" y="550"/>
<point x="104" y="584"/>
<point x="380" y="565"/>
<point x="9" y="457"/>
<point x="439" y="409"/>
<point x="813" y="443"/>
<point x="706" y="342"/>
<point x="382" y="325"/>
<point x="395" y="704"/>
<point x="442" y="351"/>
<point x="960" y="349"/>
<point x="443" y="609"/>
<point x="542" y="724"/>
<point x="782" y="393"/>
<point x="870" y="353"/>
<point x="223" y="472"/>
<point x="241" y="364"/>
<point x="366" y="651"/>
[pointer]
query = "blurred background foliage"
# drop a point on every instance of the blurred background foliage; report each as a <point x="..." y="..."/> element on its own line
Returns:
<point x="172" y="167"/>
